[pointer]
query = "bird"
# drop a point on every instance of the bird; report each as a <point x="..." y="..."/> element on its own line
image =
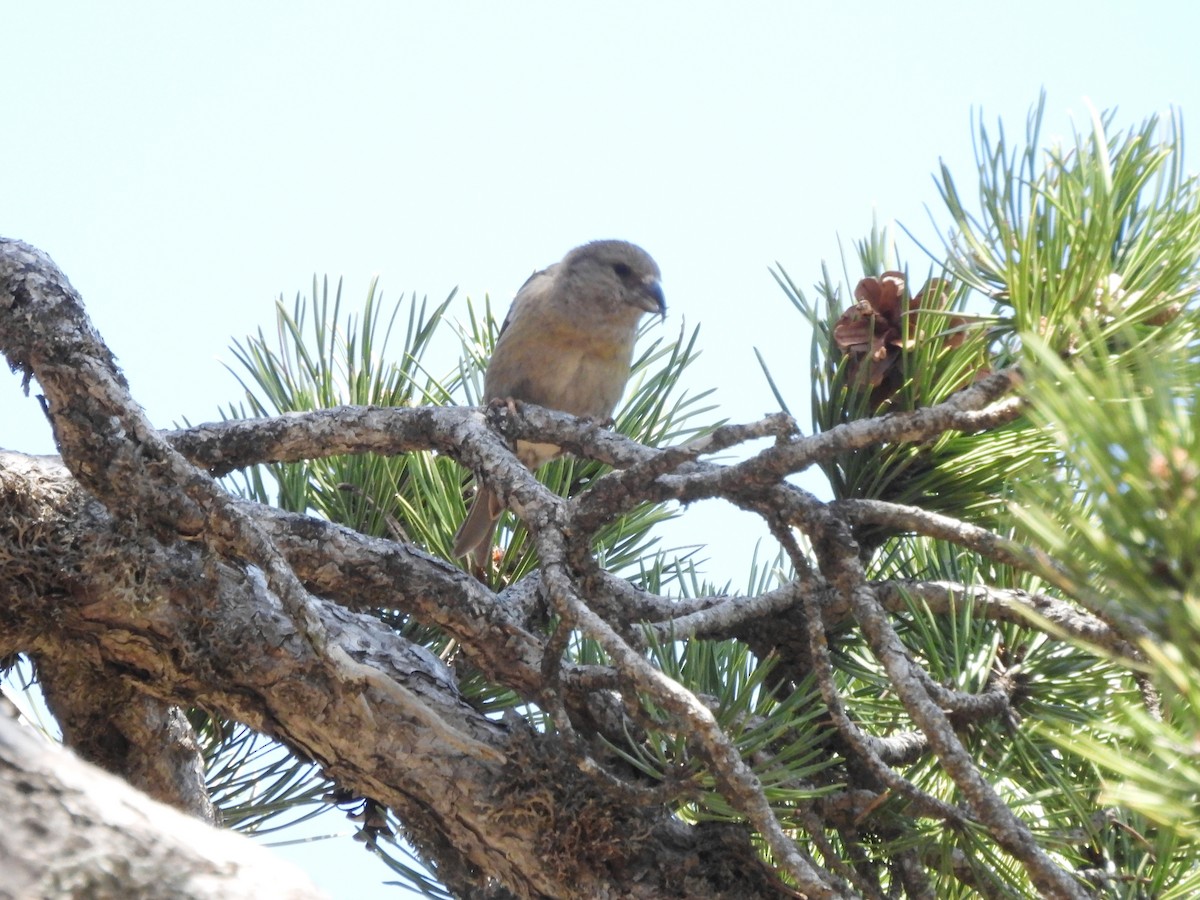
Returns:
<point x="566" y="344"/>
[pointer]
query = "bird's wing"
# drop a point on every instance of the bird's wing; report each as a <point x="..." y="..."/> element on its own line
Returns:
<point x="535" y="285"/>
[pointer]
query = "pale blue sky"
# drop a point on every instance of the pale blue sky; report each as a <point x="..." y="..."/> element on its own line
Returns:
<point x="186" y="164"/>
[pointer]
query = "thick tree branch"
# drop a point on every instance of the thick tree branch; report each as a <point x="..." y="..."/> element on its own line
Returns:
<point x="185" y="594"/>
<point x="110" y="723"/>
<point x="393" y="736"/>
<point x="72" y="830"/>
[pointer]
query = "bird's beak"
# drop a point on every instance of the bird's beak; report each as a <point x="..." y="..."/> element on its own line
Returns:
<point x="650" y="297"/>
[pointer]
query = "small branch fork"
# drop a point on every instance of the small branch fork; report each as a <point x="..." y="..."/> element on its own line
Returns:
<point x="311" y="581"/>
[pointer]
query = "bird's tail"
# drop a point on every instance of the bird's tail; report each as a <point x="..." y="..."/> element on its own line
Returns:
<point x="474" y="537"/>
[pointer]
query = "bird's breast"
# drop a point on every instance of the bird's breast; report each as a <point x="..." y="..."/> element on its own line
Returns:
<point x="572" y="370"/>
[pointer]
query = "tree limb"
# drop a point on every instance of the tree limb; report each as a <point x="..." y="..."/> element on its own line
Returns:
<point x="72" y="830"/>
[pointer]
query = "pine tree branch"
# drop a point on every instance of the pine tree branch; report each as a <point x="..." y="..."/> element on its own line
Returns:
<point x="188" y="594"/>
<point x="986" y="543"/>
<point x="843" y="568"/>
<point x="864" y="745"/>
<point x="1030" y="610"/>
<point x="691" y="718"/>
<point x="72" y="829"/>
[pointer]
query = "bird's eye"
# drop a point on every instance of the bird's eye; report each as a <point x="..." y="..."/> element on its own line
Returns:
<point x="623" y="271"/>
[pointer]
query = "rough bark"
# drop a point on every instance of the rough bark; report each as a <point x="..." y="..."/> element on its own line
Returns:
<point x="72" y="830"/>
<point x="189" y="628"/>
<point x="154" y="577"/>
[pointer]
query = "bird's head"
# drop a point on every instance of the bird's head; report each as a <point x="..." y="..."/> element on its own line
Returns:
<point x="625" y="270"/>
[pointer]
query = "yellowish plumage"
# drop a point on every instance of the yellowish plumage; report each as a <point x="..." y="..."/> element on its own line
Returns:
<point x="566" y="344"/>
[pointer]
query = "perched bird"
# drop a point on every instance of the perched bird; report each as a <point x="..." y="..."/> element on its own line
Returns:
<point x="566" y="344"/>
